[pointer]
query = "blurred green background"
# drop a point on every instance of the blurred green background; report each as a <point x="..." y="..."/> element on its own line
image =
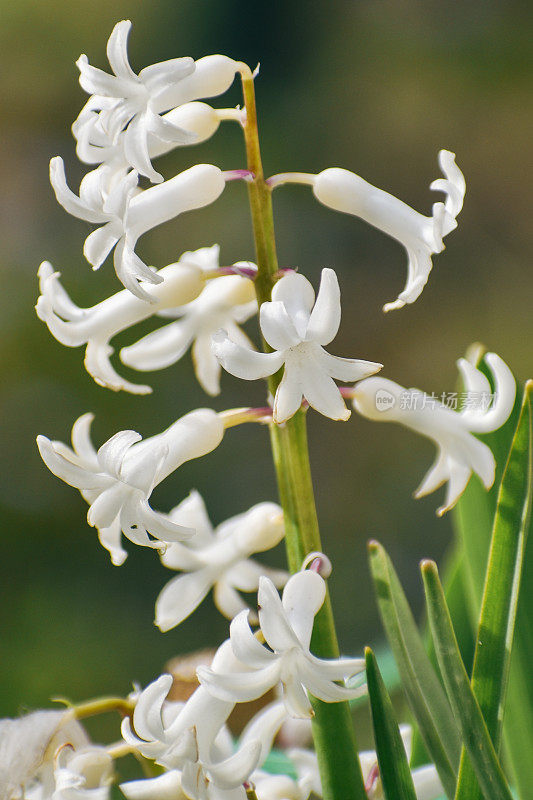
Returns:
<point x="376" y="87"/>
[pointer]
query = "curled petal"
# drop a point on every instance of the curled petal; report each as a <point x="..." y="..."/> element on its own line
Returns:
<point x="303" y="597"/>
<point x="66" y="197"/>
<point x="240" y="686"/>
<point x="245" y="646"/>
<point x="275" y="626"/>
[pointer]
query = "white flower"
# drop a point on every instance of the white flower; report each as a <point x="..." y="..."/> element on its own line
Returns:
<point x="420" y="235"/>
<point x="74" y="326"/>
<point x="28" y="745"/>
<point x="225" y="302"/>
<point x="459" y="452"/>
<point x="125" y="213"/>
<point x="84" y="774"/>
<point x="128" y="100"/>
<point x="192" y="738"/>
<point x="118" y="479"/>
<point x="95" y="146"/>
<point x="425" y="779"/>
<point x="286" y="626"/>
<point x="217" y="559"/>
<point x="129" y="106"/>
<point x="296" y="327"/>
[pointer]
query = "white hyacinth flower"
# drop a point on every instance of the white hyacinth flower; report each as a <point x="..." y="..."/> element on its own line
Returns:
<point x="217" y="559"/>
<point x="297" y="327"/>
<point x="118" y="479"/>
<point x="459" y="452"/>
<point x="125" y="213"/>
<point x="84" y="774"/>
<point x="94" y="327"/>
<point x="420" y="235"/>
<point x="129" y="106"/>
<point x="191" y="738"/>
<point x="425" y="779"/>
<point x="95" y="146"/>
<point x="225" y="302"/>
<point x="286" y="625"/>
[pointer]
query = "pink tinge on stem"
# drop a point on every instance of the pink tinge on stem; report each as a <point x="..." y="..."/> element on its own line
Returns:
<point x="237" y="269"/>
<point x="238" y="175"/>
<point x="347" y="392"/>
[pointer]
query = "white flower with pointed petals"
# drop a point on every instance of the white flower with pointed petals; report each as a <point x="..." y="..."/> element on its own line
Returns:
<point x="459" y="452"/>
<point x="286" y="626"/>
<point x="125" y="213"/>
<point x="225" y="302"/>
<point x="217" y="559"/>
<point x="118" y="479"/>
<point x="95" y="146"/>
<point x="129" y="101"/>
<point x="94" y="327"/>
<point x="84" y="774"/>
<point x="420" y="235"/>
<point x="297" y="327"/>
<point x="192" y="738"/>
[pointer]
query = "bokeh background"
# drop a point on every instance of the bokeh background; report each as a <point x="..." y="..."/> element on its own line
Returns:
<point x="376" y="86"/>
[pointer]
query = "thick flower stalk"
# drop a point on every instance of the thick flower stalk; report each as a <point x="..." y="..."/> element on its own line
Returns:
<point x="96" y="326"/>
<point x="296" y="328"/>
<point x="459" y="452"/>
<point x="286" y="626"/>
<point x="125" y="213"/>
<point x="225" y="302"/>
<point x="217" y="560"/>
<point x="129" y="106"/>
<point x="118" y="479"/>
<point x="421" y="236"/>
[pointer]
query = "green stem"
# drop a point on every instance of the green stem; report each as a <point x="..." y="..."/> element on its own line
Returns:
<point x="333" y="731"/>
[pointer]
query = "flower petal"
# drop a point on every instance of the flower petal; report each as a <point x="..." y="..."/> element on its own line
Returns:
<point x="206" y="365"/>
<point x="322" y="393"/>
<point x="243" y="363"/>
<point x="111" y="453"/>
<point x="245" y="646"/>
<point x="239" y="686"/>
<point x="289" y="394"/>
<point x="348" y="369"/>
<point x="66" y="197"/>
<point x="326" y="315"/>
<point x="303" y="597"/>
<point x="117" y="51"/>
<point x="275" y="625"/>
<point x="180" y="597"/>
<point x="277" y="326"/>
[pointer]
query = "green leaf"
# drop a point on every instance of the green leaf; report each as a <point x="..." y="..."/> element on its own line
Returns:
<point x="465" y="706"/>
<point x="393" y="766"/>
<point x="500" y="598"/>
<point x="422" y="687"/>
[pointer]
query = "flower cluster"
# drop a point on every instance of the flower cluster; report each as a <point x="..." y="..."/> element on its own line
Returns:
<point x="128" y="121"/>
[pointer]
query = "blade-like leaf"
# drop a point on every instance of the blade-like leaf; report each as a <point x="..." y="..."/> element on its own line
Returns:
<point x="392" y="760"/>
<point x="422" y="687"/>
<point x="466" y="709"/>
<point x="500" y="597"/>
